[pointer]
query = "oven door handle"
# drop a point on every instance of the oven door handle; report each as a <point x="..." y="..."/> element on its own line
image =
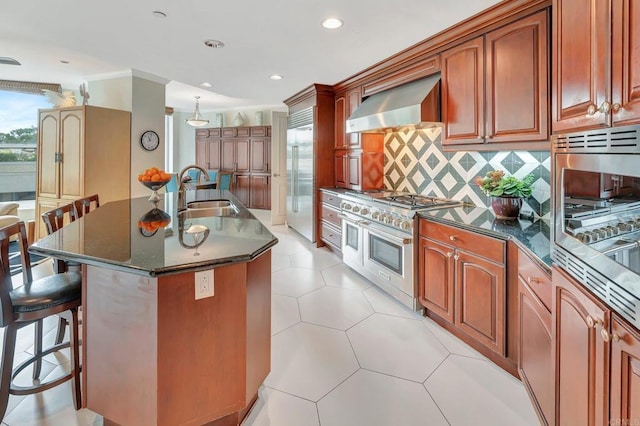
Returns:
<point x="348" y="219"/>
<point x="386" y="235"/>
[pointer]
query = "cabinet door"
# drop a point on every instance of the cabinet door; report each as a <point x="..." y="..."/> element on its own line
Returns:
<point x="267" y="154"/>
<point x="581" y="36"/>
<point x="354" y="97"/>
<point x="72" y="154"/>
<point x="625" y="81"/>
<point x="43" y="205"/>
<point x="260" y="192"/>
<point x="480" y="300"/>
<point x="463" y="93"/>
<point x="535" y="355"/>
<point x="242" y="189"/>
<point x="625" y="374"/>
<point x="435" y="277"/>
<point x="258" y="155"/>
<point x="517" y="70"/>
<point x="581" y="356"/>
<point x="341" y="169"/>
<point x="354" y="170"/>
<point x="242" y="155"/>
<point x="202" y="153"/>
<point x="340" y="123"/>
<point x="227" y="157"/>
<point x="48" y="140"/>
<point x="214" y="154"/>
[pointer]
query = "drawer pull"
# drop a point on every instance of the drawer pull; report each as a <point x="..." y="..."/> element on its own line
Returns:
<point x="534" y="280"/>
<point x="593" y="323"/>
<point x="607" y="337"/>
<point x="453" y="237"/>
<point x="456" y="257"/>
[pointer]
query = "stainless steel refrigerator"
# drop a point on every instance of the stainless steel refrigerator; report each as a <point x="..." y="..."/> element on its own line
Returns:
<point x="301" y="173"/>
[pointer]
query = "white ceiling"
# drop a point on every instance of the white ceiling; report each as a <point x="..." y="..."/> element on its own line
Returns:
<point x="261" y="38"/>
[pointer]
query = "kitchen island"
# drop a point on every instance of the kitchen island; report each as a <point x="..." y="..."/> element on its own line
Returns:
<point x="152" y="353"/>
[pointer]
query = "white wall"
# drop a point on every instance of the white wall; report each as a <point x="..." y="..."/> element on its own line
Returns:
<point x="113" y="93"/>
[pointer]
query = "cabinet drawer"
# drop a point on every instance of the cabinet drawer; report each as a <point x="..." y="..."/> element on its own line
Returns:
<point x="537" y="280"/>
<point x="328" y="198"/>
<point x="481" y="245"/>
<point x="331" y="215"/>
<point x="331" y="235"/>
<point x="229" y="132"/>
<point x="244" y="131"/>
<point x="215" y="132"/>
<point x="202" y="133"/>
<point x="258" y="131"/>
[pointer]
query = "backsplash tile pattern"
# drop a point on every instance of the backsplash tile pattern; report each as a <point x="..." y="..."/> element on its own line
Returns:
<point x="415" y="162"/>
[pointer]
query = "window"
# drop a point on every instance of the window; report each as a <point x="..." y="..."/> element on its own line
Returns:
<point x="18" y="141"/>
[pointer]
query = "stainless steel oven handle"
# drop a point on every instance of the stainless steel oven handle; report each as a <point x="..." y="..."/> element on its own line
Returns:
<point x="375" y="230"/>
<point x="348" y="219"/>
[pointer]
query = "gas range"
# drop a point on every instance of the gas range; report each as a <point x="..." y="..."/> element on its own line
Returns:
<point x="393" y="209"/>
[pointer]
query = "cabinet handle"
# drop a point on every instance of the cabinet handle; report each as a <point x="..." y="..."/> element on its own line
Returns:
<point x="534" y="280"/>
<point x="480" y="138"/>
<point x="449" y="254"/>
<point x="453" y="237"/>
<point x="593" y="323"/>
<point x="607" y="337"/>
<point x="456" y="257"/>
<point x="616" y="107"/>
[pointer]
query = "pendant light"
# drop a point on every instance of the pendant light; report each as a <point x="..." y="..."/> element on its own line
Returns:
<point x="196" y="119"/>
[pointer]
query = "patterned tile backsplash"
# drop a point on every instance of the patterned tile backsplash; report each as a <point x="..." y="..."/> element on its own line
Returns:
<point x="414" y="162"/>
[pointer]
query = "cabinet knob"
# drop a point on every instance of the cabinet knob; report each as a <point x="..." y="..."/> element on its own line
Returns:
<point x="607" y="337"/>
<point x="604" y="108"/>
<point x="480" y="138"/>
<point x="593" y="323"/>
<point x="453" y="237"/>
<point x="456" y="257"/>
<point x="449" y="254"/>
<point x="616" y="107"/>
<point x="534" y="280"/>
<point x="276" y="175"/>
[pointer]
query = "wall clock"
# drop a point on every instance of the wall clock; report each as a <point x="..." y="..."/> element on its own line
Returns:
<point x="149" y="140"/>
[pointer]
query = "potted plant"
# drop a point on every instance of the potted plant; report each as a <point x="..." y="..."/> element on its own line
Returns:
<point x="506" y="192"/>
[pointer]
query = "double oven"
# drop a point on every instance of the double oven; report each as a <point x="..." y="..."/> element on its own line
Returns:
<point x="596" y="213"/>
<point x="377" y="239"/>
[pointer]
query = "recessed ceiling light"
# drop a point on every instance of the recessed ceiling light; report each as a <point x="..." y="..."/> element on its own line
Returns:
<point x="159" y="14"/>
<point x="205" y="84"/>
<point x="8" y="61"/>
<point x="62" y="61"/>
<point x="275" y="77"/>
<point x="216" y="44"/>
<point x="332" y="23"/>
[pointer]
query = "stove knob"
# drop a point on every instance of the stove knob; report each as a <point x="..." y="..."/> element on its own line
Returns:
<point x="364" y="211"/>
<point x="589" y="237"/>
<point x="622" y="227"/>
<point x="602" y="233"/>
<point x="355" y="209"/>
<point x="346" y="206"/>
<point x="406" y="225"/>
<point x="612" y="230"/>
<point x="375" y="215"/>
<point x="388" y="219"/>
<point x="397" y="222"/>
<point x="581" y="237"/>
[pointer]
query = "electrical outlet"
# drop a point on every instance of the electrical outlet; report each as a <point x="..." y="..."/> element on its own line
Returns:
<point x="204" y="284"/>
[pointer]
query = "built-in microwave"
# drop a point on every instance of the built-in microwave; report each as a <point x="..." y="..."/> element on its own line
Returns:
<point x="596" y="213"/>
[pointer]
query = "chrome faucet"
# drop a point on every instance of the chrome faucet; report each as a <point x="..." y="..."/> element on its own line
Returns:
<point x="181" y="198"/>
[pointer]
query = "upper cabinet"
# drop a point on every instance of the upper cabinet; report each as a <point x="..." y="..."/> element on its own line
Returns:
<point x="595" y="59"/>
<point x="495" y="87"/>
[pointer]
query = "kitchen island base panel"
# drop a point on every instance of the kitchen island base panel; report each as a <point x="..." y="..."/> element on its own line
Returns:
<point x="188" y="361"/>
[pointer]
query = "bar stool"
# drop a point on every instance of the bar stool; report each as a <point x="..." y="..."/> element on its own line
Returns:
<point x="30" y="304"/>
<point x="85" y="205"/>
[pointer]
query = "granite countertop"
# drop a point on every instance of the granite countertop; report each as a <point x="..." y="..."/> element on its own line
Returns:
<point x="110" y="237"/>
<point x="533" y="236"/>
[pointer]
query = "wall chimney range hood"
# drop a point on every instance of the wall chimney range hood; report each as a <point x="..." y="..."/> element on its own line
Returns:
<point x="412" y="105"/>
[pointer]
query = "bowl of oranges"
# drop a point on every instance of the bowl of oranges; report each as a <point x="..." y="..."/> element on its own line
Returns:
<point x="153" y="220"/>
<point x="154" y="179"/>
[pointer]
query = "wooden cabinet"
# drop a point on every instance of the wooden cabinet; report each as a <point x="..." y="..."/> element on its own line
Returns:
<point x="495" y="87"/>
<point x="535" y="354"/>
<point x="82" y="150"/>
<point x="340" y="126"/>
<point x="600" y="37"/>
<point x="462" y="279"/>
<point x="581" y="355"/>
<point x="625" y="373"/>
<point x="331" y="224"/>
<point x="352" y="101"/>
<point x="245" y="151"/>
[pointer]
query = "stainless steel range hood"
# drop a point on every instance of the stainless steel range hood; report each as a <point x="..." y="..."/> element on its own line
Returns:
<point x="415" y="104"/>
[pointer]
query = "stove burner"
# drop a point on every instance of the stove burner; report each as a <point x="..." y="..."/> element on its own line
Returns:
<point x="417" y="201"/>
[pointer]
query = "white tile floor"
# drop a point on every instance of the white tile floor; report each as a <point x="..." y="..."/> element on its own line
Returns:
<point x="343" y="353"/>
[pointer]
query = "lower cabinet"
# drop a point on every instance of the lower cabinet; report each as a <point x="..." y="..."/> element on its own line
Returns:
<point x="241" y="189"/>
<point x="330" y="222"/>
<point x="462" y="277"/>
<point x="535" y="354"/>
<point x="625" y="374"/>
<point x="260" y="192"/>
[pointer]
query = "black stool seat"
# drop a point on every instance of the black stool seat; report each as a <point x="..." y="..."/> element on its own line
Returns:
<point x="47" y="292"/>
